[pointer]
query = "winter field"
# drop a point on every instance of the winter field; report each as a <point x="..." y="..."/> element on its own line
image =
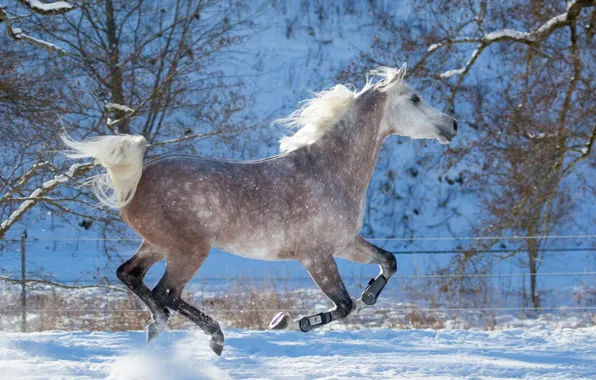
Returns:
<point x="423" y="205"/>
<point x="536" y="353"/>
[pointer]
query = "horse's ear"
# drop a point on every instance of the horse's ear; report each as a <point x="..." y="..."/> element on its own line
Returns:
<point x="401" y="73"/>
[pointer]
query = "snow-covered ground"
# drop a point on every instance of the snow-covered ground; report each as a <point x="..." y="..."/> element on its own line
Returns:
<point x="371" y="354"/>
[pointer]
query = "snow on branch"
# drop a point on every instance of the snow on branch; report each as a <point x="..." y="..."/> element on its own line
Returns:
<point x="24" y="179"/>
<point x="110" y="107"/>
<point x="465" y="69"/>
<point x="585" y="151"/>
<point x="55" y="8"/>
<point x="115" y="107"/>
<point x="531" y="37"/>
<point x="18" y="34"/>
<point x="545" y="30"/>
<point x="41" y="191"/>
<point x="128" y="112"/>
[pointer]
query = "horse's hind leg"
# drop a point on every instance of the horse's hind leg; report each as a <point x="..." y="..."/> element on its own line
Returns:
<point x="132" y="272"/>
<point x="323" y="270"/>
<point x="361" y="251"/>
<point x="181" y="267"/>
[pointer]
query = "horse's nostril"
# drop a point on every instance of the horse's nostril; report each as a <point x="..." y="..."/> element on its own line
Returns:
<point x="455" y="125"/>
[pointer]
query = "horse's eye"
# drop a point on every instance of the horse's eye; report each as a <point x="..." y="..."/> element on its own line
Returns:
<point x="415" y="99"/>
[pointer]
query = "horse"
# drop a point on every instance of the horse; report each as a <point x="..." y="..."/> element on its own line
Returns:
<point x="305" y="204"/>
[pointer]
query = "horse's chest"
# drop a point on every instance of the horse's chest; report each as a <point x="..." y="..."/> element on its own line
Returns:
<point x="333" y="218"/>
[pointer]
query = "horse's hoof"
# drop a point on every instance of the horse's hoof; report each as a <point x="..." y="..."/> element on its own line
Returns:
<point x="217" y="343"/>
<point x="216" y="347"/>
<point x="280" y="322"/>
<point x="154" y="329"/>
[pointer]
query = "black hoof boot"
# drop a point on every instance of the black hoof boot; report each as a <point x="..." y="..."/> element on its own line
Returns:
<point x="280" y="322"/>
<point x="373" y="290"/>
<point x="309" y="323"/>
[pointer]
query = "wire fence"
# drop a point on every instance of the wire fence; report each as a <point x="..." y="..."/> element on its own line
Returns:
<point x="411" y="252"/>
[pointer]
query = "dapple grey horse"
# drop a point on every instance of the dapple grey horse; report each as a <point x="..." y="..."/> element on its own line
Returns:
<point x="306" y="204"/>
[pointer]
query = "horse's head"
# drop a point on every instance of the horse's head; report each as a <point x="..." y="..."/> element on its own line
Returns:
<point x="408" y="114"/>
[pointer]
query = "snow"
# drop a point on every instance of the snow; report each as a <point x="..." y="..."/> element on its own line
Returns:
<point x="58" y="6"/>
<point x="506" y="33"/>
<point x="433" y="47"/>
<point x="514" y="353"/>
<point x="118" y="107"/>
<point x="41" y="43"/>
<point x="554" y="21"/>
<point x="450" y="73"/>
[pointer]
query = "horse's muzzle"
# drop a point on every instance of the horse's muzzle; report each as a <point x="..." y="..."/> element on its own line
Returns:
<point x="445" y="136"/>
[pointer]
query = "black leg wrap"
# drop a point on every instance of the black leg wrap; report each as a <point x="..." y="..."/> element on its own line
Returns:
<point x="374" y="288"/>
<point x="309" y="323"/>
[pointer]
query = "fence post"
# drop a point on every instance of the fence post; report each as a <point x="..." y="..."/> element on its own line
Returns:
<point x="23" y="284"/>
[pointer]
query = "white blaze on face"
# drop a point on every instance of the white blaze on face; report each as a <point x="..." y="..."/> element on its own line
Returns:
<point x="408" y="114"/>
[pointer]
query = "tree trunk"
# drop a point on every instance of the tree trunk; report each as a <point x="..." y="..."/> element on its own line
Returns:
<point x="116" y="89"/>
<point x="532" y="265"/>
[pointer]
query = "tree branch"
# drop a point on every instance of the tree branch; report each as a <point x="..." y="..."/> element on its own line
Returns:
<point x="539" y="34"/>
<point x="18" y="35"/>
<point x="36" y="195"/>
<point x="23" y="180"/>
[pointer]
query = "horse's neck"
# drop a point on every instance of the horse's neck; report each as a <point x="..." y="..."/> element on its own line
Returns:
<point x="350" y="150"/>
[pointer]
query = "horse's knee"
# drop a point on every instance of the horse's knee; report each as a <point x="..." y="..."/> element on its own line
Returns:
<point x="389" y="265"/>
<point x="121" y="273"/>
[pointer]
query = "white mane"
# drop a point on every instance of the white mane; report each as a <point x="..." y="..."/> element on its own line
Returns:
<point x="327" y="107"/>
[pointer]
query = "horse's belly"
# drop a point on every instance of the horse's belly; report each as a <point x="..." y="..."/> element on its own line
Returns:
<point x="260" y="249"/>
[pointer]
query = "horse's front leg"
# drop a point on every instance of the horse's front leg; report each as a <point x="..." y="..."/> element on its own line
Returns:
<point x="361" y="251"/>
<point x="132" y="272"/>
<point x="323" y="271"/>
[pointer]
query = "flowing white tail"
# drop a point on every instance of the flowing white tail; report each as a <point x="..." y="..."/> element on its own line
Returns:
<point x="122" y="156"/>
